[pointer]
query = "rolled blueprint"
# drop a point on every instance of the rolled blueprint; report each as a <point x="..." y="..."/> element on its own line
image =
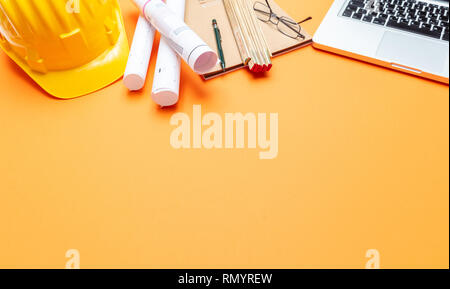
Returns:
<point x="139" y="58"/>
<point x="166" y="82"/>
<point x="197" y="54"/>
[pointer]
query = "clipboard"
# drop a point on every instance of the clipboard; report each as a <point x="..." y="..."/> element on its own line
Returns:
<point x="199" y="16"/>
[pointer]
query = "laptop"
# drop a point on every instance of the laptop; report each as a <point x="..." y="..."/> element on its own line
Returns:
<point x="406" y="35"/>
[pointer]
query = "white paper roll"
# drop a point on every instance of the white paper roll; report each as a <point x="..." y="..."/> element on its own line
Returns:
<point x="139" y="58"/>
<point x="166" y="82"/>
<point x="197" y="54"/>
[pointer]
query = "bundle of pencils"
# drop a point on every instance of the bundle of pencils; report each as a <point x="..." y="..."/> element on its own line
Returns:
<point x="250" y="39"/>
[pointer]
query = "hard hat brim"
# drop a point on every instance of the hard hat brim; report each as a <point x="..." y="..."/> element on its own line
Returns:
<point x="99" y="73"/>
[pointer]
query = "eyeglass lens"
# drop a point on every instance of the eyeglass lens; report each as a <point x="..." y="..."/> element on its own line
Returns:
<point x="262" y="11"/>
<point x="285" y="25"/>
<point x="289" y="27"/>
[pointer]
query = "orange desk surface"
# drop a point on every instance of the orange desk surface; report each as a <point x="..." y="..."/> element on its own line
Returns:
<point x="363" y="164"/>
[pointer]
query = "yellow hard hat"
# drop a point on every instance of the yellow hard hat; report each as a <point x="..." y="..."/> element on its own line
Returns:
<point x="69" y="47"/>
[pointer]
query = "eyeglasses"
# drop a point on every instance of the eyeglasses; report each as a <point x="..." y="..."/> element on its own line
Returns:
<point x="285" y="25"/>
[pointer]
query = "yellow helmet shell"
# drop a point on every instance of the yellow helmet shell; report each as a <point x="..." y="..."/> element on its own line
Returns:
<point x="69" y="47"/>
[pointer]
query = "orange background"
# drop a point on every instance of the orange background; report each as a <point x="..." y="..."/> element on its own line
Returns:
<point x="363" y="164"/>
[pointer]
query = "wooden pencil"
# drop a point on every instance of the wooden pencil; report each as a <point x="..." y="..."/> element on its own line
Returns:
<point x="250" y="39"/>
<point x="238" y="35"/>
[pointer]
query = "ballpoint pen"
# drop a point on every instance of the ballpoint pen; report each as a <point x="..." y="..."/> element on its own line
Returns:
<point x="219" y="44"/>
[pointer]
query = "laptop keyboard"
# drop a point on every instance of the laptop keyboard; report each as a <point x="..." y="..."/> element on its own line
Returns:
<point x="408" y="15"/>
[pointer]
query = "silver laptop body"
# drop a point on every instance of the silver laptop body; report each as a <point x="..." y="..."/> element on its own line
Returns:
<point x="406" y="35"/>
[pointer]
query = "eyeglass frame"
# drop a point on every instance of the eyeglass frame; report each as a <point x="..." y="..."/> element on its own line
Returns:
<point x="285" y="20"/>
